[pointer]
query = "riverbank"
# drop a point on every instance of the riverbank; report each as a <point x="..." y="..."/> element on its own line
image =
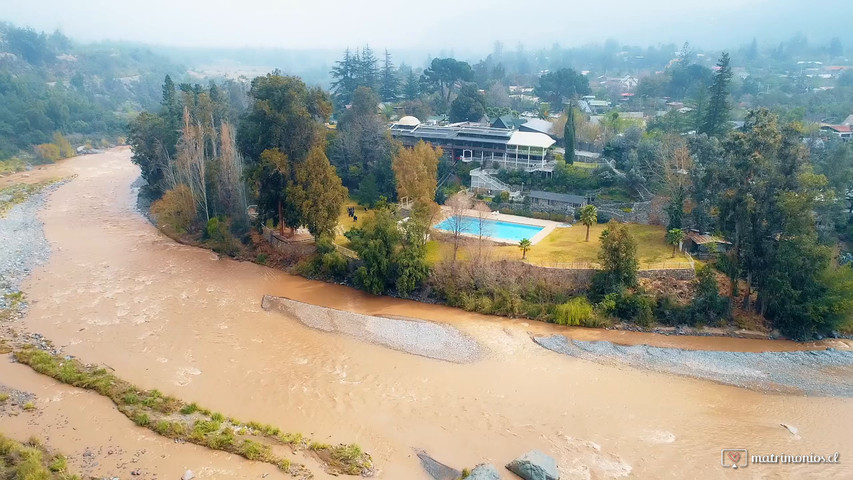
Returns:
<point x="25" y="249"/>
<point x="254" y="248"/>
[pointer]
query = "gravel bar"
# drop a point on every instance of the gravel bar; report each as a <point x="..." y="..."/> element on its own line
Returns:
<point x="418" y="337"/>
<point x="810" y="372"/>
<point x="24" y="246"/>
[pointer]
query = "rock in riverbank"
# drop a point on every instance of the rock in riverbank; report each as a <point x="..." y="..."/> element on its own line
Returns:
<point x="535" y="465"/>
<point x="484" y="471"/>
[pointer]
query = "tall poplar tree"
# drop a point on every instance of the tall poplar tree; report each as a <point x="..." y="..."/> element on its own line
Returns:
<point x="569" y="135"/>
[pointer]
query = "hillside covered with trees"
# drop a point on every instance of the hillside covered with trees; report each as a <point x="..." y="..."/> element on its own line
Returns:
<point x="53" y="89"/>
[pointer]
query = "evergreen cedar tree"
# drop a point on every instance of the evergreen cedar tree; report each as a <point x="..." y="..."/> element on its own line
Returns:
<point x="569" y="135"/>
<point x="717" y="115"/>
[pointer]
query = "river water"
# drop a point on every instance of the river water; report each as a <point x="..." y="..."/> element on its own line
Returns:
<point x="182" y="320"/>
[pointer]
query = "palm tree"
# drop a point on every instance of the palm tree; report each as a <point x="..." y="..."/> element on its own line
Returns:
<point x="589" y="216"/>
<point x="524" y="245"/>
<point x="674" y="237"/>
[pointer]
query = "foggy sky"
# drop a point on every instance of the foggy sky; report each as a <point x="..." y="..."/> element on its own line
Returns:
<point x="458" y="25"/>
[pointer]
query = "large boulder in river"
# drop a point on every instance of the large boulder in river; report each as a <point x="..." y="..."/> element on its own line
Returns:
<point x="484" y="471"/>
<point x="535" y="465"/>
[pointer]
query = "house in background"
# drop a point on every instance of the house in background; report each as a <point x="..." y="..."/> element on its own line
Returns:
<point x="844" y="132"/>
<point x="537" y="125"/>
<point x="508" y="122"/>
<point x="703" y="245"/>
<point x="555" y="201"/>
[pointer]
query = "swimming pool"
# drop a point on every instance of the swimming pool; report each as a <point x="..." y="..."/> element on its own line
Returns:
<point x="506" y="231"/>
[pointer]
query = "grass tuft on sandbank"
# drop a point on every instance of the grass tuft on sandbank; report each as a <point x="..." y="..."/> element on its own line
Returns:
<point x="189" y="422"/>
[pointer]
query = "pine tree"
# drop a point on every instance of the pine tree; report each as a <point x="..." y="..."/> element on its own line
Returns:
<point x="343" y="74"/>
<point x="367" y="70"/>
<point x="413" y="87"/>
<point x="171" y="113"/>
<point x="569" y="135"/>
<point x="718" y="105"/>
<point x="390" y="85"/>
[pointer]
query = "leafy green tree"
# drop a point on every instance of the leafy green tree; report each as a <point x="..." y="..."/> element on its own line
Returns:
<point x="416" y="172"/>
<point x="524" y="244"/>
<point x="589" y="216"/>
<point x="268" y="181"/>
<point x="468" y="106"/>
<point x="564" y="84"/>
<point x="444" y="73"/>
<point x="376" y="243"/>
<point x="675" y="208"/>
<point x="275" y="135"/>
<point x="674" y="237"/>
<point x="361" y="149"/>
<point x="319" y="193"/>
<point x="717" y="115"/>
<point x="285" y="114"/>
<point x="618" y="257"/>
<point x="708" y="306"/>
<point x="410" y="259"/>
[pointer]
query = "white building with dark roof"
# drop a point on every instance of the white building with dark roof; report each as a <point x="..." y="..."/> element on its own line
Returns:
<point x="495" y="147"/>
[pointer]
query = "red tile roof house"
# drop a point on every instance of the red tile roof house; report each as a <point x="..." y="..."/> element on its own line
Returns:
<point x="844" y="132"/>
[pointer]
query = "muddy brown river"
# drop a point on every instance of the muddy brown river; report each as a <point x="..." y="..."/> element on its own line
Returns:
<point x="180" y="319"/>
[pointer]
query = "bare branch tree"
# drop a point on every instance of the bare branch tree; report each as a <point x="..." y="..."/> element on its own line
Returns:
<point x="483" y="230"/>
<point x="459" y="223"/>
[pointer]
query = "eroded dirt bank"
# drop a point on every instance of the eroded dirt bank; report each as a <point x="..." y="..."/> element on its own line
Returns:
<point x="182" y="320"/>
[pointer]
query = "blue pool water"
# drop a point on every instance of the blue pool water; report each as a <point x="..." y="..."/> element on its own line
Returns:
<point x="508" y="231"/>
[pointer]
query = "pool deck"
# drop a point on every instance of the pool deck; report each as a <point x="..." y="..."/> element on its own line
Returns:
<point x="548" y="225"/>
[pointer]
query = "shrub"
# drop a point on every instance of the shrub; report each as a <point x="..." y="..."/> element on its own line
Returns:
<point x="262" y="258"/>
<point x="219" y="237"/>
<point x="254" y="450"/>
<point x="47" y="152"/>
<point x="58" y="464"/>
<point x="222" y="440"/>
<point x="141" y="419"/>
<point x="636" y="308"/>
<point x="63" y="145"/>
<point x="291" y="438"/>
<point x="576" y="312"/>
<point x="670" y="313"/>
<point x="175" y="209"/>
<point x="203" y="427"/>
<point x="189" y="409"/>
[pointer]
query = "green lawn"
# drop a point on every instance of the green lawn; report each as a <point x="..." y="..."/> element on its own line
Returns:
<point x="566" y="245"/>
<point x="345" y="222"/>
<point x="585" y="165"/>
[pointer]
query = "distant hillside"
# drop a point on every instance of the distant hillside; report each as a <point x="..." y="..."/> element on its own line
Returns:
<point x="86" y="93"/>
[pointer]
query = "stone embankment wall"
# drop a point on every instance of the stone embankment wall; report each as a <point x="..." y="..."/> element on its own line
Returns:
<point x="582" y="277"/>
